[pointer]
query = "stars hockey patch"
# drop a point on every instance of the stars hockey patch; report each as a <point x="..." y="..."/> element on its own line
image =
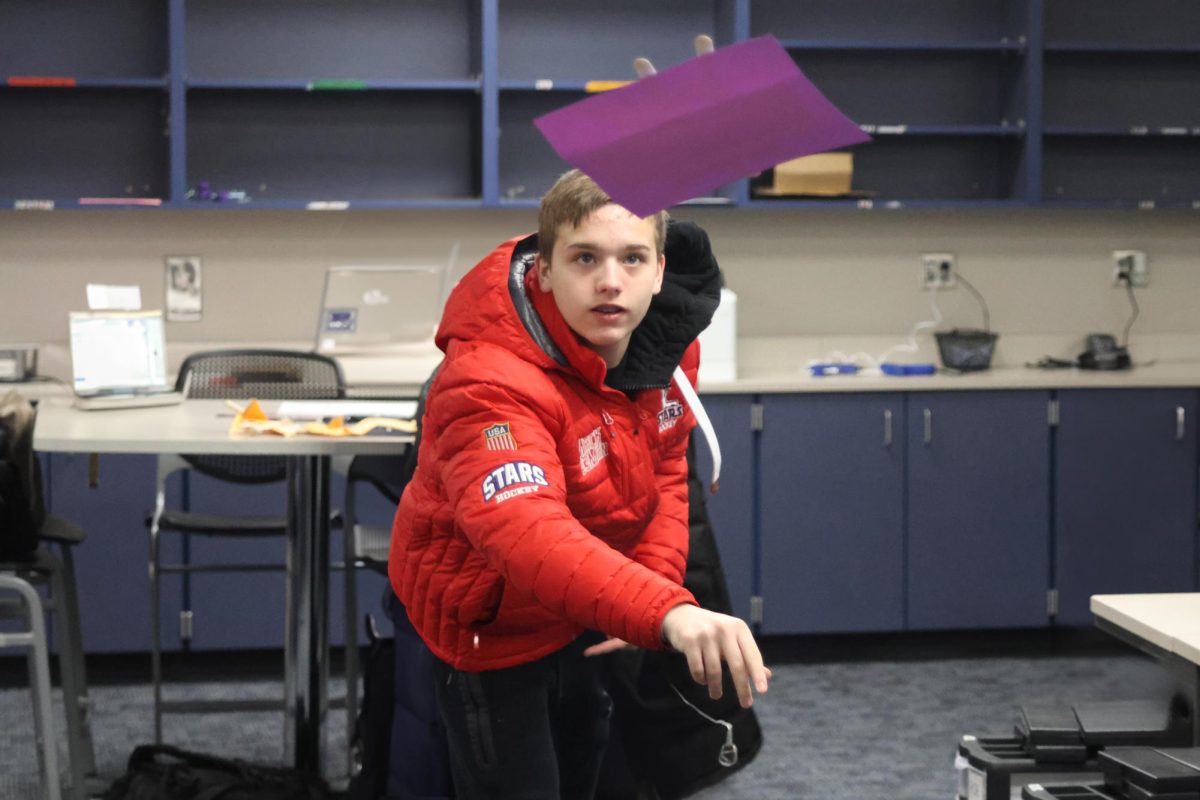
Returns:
<point x="499" y="437"/>
<point x="512" y="479"/>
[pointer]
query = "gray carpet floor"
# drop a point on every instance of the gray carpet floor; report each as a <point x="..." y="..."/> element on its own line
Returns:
<point x="858" y="730"/>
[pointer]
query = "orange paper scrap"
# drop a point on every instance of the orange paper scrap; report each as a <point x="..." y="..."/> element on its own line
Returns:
<point x="253" y="420"/>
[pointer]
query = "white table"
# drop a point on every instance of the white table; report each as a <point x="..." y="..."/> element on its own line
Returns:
<point x="1167" y="626"/>
<point x="202" y="427"/>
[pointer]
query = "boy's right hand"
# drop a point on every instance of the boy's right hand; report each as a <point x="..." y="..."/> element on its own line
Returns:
<point x="707" y="638"/>
<point x="644" y="69"/>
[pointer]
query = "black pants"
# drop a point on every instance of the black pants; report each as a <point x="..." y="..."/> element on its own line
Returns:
<point x="536" y="731"/>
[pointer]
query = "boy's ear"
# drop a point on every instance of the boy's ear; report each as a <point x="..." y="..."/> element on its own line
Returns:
<point x="542" y="266"/>
<point x="658" y="278"/>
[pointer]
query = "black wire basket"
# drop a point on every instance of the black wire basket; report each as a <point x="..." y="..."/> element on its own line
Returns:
<point x="966" y="349"/>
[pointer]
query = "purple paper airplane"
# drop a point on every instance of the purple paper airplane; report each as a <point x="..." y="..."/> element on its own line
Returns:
<point x="698" y="125"/>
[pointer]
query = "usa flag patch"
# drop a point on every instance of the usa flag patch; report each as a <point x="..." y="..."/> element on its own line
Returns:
<point x="499" y="437"/>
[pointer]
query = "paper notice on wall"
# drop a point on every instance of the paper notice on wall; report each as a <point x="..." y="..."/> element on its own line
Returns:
<point x="184" y="288"/>
<point x="106" y="297"/>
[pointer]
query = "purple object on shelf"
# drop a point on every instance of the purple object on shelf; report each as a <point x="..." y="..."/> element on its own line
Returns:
<point x="698" y="125"/>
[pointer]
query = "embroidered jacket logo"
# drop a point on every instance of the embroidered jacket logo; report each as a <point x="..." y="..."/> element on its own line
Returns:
<point x="512" y="479"/>
<point x="592" y="450"/>
<point x="499" y="437"/>
<point x="672" y="410"/>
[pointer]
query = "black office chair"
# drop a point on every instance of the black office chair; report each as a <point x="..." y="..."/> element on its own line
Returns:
<point x="51" y="565"/>
<point x="229" y="374"/>
<point x="367" y="546"/>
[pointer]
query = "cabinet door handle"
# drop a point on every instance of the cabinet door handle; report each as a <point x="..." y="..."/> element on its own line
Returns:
<point x="928" y="426"/>
<point x="887" y="427"/>
<point x="1180" y="422"/>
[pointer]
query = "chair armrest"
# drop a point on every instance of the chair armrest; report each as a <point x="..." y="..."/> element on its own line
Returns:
<point x="57" y="529"/>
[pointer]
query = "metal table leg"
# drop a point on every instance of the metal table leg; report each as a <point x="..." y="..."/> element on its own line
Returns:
<point x="307" y="633"/>
<point x="1186" y="674"/>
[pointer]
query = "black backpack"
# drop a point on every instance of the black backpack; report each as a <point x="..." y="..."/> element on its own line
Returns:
<point x="163" y="772"/>
<point x="21" y="509"/>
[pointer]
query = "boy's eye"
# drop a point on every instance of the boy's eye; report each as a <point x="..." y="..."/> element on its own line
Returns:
<point x="634" y="258"/>
<point x="585" y="258"/>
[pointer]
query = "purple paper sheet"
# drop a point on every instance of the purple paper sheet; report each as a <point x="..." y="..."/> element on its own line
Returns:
<point x="698" y="125"/>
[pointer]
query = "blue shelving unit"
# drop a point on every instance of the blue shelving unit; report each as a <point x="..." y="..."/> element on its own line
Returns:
<point x="918" y="45"/>
<point x="430" y="103"/>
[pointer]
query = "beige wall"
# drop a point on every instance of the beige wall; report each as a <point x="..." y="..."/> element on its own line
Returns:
<point x="811" y="273"/>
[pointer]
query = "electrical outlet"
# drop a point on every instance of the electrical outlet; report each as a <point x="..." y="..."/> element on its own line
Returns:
<point x="1131" y="264"/>
<point x="937" y="271"/>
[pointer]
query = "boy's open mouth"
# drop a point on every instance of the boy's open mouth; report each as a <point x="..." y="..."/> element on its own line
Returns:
<point x="608" y="311"/>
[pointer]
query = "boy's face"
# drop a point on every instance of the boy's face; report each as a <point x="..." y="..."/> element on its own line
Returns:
<point x="603" y="274"/>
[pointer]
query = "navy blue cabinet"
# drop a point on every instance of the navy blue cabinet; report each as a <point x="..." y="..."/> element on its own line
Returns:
<point x="247" y="610"/>
<point x="114" y="586"/>
<point x="992" y="103"/>
<point x="978" y="509"/>
<point x="850" y="512"/>
<point x="236" y="609"/>
<point x="1125" y="495"/>
<point x="731" y="509"/>
<point x="946" y="88"/>
<point x="832" y="478"/>
<point x="230" y="610"/>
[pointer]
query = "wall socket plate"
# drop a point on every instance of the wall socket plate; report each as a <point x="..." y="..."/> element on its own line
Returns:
<point x="938" y="271"/>
<point x="1132" y="262"/>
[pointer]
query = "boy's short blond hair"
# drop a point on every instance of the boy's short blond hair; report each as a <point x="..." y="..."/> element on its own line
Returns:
<point x="572" y="198"/>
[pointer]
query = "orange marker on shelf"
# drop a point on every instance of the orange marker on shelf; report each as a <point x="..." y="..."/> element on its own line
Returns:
<point x="41" y="81"/>
<point x="604" y="86"/>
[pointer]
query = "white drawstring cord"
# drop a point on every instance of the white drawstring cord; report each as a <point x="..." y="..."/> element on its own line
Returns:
<point x="729" y="752"/>
<point x="710" y="435"/>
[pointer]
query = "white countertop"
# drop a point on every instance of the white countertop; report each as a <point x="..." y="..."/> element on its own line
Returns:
<point x="1158" y="375"/>
<point x="1180" y="374"/>
<point x="194" y="426"/>
<point x="1170" y="621"/>
<point x="778" y="365"/>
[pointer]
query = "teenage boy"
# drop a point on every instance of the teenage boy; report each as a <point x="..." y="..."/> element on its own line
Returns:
<point x="549" y="505"/>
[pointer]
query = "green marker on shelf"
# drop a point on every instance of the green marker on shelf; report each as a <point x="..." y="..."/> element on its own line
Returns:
<point x="342" y="84"/>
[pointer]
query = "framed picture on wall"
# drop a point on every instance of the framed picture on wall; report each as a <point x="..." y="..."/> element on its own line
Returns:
<point x="184" y="288"/>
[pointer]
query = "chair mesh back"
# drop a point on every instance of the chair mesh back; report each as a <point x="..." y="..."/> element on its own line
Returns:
<point x="261" y="374"/>
<point x="390" y="474"/>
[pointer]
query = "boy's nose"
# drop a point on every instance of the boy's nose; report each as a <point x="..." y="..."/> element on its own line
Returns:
<point x="610" y="276"/>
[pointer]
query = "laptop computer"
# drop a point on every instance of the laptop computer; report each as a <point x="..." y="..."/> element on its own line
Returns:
<point x="118" y="360"/>
<point x="379" y="309"/>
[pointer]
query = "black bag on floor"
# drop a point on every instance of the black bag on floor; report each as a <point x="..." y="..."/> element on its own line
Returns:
<point x="371" y="740"/>
<point x="660" y="747"/>
<point x="399" y="734"/>
<point x="21" y="510"/>
<point x="163" y="772"/>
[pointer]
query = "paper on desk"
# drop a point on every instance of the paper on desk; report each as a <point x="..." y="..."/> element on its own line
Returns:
<point x="338" y="427"/>
<point x="104" y="297"/>
<point x="323" y="409"/>
<point x="252" y="419"/>
<point x="698" y="125"/>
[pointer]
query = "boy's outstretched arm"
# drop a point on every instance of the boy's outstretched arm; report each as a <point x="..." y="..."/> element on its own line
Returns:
<point x="707" y="638"/>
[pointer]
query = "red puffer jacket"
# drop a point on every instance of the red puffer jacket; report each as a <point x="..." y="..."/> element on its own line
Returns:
<point x="545" y="502"/>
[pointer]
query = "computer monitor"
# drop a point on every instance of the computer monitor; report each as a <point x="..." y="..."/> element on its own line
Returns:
<point x="118" y="352"/>
<point x="376" y="308"/>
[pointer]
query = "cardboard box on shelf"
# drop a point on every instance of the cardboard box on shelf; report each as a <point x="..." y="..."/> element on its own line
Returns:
<point x="824" y="174"/>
